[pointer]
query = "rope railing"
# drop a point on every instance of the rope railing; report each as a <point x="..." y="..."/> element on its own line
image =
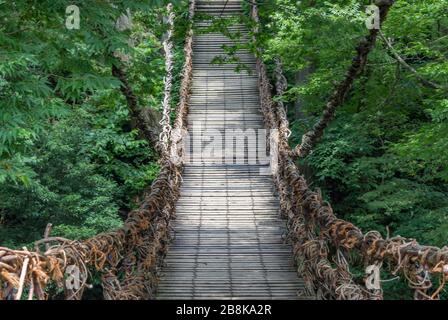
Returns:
<point x="129" y="258"/>
<point x="164" y="138"/>
<point x="311" y="253"/>
<point x="325" y="246"/>
<point x="177" y="152"/>
<point x="135" y="250"/>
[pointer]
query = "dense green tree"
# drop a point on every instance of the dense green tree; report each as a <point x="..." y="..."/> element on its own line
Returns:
<point x="382" y="162"/>
<point x="70" y="152"/>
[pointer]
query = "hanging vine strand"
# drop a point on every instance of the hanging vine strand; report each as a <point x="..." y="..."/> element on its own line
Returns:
<point x="164" y="138"/>
<point x="338" y="97"/>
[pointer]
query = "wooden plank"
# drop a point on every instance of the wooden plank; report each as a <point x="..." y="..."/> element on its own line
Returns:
<point x="228" y="237"/>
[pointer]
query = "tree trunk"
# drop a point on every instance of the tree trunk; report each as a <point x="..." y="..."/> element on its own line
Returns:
<point x="145" y="120"/>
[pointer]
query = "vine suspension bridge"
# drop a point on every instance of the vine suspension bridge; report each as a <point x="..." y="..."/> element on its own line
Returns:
<point x="244" y="230"/>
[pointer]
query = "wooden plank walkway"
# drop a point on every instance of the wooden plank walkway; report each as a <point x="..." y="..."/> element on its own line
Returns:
<point x="228" y="234"/>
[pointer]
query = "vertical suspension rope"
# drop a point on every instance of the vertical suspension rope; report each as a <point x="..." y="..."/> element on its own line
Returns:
<point x="179" y="128"/>
<point x="164" y="138"/>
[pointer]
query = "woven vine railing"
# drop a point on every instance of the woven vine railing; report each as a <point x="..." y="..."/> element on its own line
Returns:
<point x="326" y="249"/>
<point x="325" y="246"/>
<point x="128" y="259"/>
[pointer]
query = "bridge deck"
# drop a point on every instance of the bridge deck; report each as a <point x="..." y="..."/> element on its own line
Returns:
<point x="228" y="234"/>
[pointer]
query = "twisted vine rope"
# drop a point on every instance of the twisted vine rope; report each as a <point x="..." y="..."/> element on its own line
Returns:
<point x="135" y="250"/>
<point x="176" y="149"/>
<point x="338" y="97"/>
<point x="325" y="245"/>
<point x="164" y="138"/>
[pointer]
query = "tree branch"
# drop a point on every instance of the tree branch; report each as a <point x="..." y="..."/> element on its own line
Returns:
<point x="420" y="78"/>
<point x="141" y="119"/>
<point x="363" y="49"/>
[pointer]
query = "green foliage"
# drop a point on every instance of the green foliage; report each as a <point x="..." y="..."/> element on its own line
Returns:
<point x="83" y="176"/>
<point x="68" y="154"/>
<point x="47" y="69"/>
